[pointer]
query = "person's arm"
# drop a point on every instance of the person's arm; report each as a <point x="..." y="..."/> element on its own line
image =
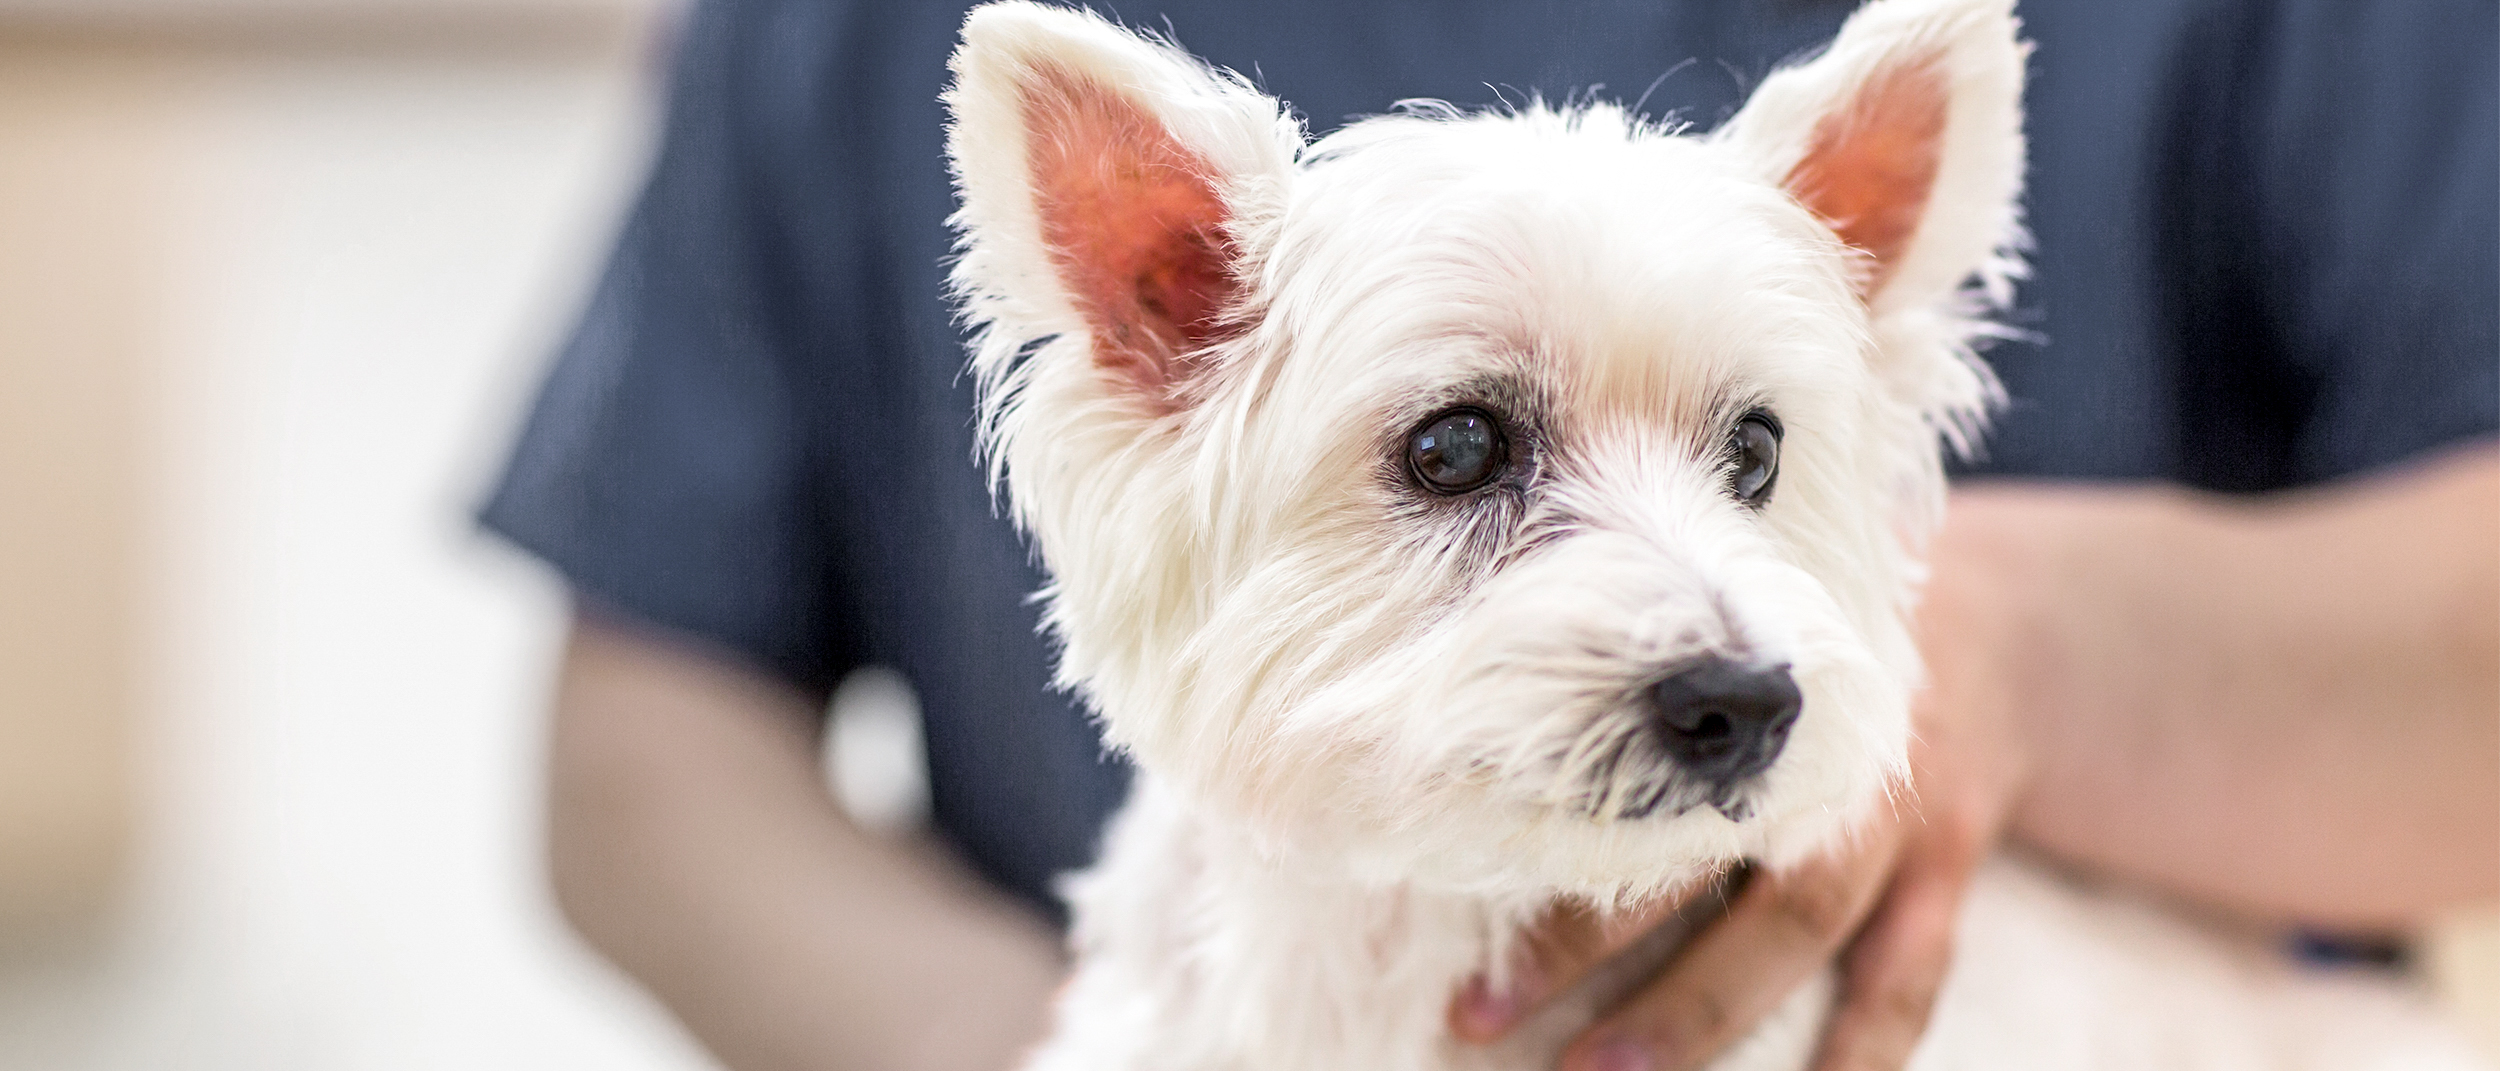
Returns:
<point x="2287" y="708"/>
<point x="693" y="842"/>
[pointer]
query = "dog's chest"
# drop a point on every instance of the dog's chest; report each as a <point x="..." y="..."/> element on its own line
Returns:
<point x="1197" y="952"/>
<point x="1194" y="956"/>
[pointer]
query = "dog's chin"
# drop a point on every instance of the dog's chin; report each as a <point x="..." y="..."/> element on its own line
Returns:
<point x="1668" y="801"/>
<point x="1507" y="844"/>
<point x="1648" y="845"/>
<point x="1735" y="807"/>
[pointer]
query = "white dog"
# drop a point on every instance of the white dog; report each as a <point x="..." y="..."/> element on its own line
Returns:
<point x="1466" y="511"/>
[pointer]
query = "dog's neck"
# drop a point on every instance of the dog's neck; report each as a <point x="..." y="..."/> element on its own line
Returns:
<point x="1230" y="950"/>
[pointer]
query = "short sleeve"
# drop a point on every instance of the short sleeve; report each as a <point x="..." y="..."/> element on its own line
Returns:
<point x="2334" y="259"/>
<point x="2379" y="145"/>
<point x="664" y="469"/>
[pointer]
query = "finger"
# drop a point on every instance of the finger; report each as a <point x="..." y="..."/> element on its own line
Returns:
<point x="1554" y="954"/>
<point x="1782" y="928"/>
<point x="1895" y="969"/>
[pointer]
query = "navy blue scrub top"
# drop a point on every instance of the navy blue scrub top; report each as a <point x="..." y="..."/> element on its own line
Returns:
<point x="2265" y="258"/>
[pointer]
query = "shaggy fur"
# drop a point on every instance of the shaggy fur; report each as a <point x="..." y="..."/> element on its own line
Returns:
<point x="1379" y="728"/>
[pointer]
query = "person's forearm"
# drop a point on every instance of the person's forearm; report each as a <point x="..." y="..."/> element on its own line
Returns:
<point x="2287" y="707"/>
<point x="692" y="842"/>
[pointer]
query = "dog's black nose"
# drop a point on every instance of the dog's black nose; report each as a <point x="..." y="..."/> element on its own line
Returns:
<point x="1724" y="721"/>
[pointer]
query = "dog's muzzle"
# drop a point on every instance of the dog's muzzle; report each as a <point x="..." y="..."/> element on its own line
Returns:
<point x="1723" y="721"/>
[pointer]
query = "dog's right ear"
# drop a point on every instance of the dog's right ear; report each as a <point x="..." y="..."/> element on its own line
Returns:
<point x="1108" y="182"/>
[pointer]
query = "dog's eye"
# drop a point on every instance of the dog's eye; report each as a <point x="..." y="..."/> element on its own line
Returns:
<point x="1456" y="452"/>
<point x="1753" y="458"/>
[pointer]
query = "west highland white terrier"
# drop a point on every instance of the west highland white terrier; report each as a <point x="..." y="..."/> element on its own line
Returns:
<point x="1464" y="512"/>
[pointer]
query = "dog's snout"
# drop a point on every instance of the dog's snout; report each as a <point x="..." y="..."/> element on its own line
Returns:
<point x="1724" y="721"/>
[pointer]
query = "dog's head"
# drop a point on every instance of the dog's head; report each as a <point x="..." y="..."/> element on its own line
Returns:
<point x="1495" y="499"/>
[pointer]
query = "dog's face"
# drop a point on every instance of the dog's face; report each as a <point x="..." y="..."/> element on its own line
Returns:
<point x="1501" y="501"/>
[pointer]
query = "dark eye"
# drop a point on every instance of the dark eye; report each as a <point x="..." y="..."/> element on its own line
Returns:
<point x="1456" y="452"/>
<point x="1753" y="458"/>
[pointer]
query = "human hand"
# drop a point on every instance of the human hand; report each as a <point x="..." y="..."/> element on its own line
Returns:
<point x="1884" y="904"/>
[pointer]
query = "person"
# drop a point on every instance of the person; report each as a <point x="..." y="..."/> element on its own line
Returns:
<point x="2218" y="613"/>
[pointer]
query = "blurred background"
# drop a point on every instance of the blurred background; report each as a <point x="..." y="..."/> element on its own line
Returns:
<point x="275" y="278"/>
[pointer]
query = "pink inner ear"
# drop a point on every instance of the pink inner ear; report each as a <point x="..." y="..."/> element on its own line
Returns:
<point x="1134" y="225"/>
<point x="1873" y="163"/>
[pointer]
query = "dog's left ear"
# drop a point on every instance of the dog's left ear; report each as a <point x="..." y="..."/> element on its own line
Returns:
<point x="1110" y="187"/>
<point x="1905" y="137"/>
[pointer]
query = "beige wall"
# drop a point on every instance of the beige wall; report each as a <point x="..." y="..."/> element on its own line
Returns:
<point x="103" y="112"/>
<point x="271" y="291"/>
<point x="85" y="150"/>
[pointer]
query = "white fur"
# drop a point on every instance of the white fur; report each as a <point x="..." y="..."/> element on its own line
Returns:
<point x="1365" y="722"/>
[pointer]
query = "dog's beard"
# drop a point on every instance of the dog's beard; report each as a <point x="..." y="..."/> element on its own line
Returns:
<point x="1615" y="771"/>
